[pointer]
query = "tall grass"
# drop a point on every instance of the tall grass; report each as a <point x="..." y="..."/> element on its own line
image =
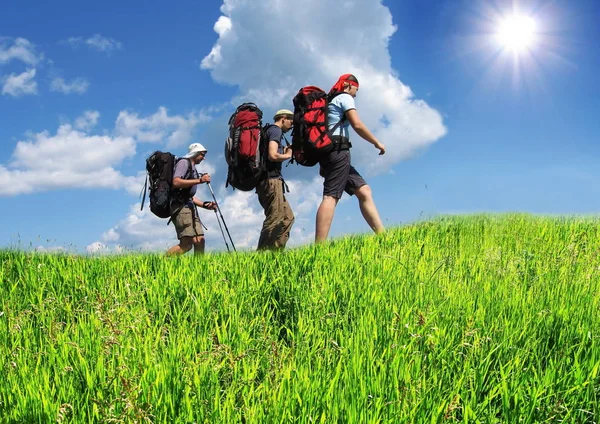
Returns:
<point x="477" y="319"/>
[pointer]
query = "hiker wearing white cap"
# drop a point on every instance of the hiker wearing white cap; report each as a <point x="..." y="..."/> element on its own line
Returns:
<point x="279" y="217"/>
<point x="183" y="205"/>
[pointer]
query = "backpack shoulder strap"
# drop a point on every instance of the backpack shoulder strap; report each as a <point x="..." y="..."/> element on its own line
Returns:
<point x="342" y="120"/>
<point x="189" y="172"/>
<point x="267" y="126"/>
<point x="332" y="96"/>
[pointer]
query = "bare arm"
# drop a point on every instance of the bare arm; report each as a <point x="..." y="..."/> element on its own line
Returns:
<point x="205" y="205"/>
<point x="362" y="130"/>
<point x="181" y="183"/>
<point x="275" y="156"/>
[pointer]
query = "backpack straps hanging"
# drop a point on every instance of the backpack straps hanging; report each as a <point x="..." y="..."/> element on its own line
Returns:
<point x="195" y="215"/>
<point x="175" y="214"/>
<point x="189" y="172"/>
<point x="284" y="185"/>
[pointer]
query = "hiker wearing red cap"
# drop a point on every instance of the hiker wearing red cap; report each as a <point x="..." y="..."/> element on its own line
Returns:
<point x="336" y="167"/>
<point x="279" y="217"/>
<point x="184" y="212"/>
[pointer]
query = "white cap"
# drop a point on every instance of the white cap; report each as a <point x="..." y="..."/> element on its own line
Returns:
<point x="194" y="149"/>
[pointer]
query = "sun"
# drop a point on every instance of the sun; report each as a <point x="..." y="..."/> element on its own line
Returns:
<point x="515" y="44"/>
<point x="516" y="33"/>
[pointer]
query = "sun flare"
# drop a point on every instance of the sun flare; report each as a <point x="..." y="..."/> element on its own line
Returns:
<point x="517" y="33"/>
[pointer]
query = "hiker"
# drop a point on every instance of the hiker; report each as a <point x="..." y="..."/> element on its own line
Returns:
<point x="184" y="203"/>
<point x="336" y="167"/>
<point x="279" y="217"/>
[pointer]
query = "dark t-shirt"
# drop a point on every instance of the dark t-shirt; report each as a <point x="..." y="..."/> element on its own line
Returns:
<point x="274" y="133"/>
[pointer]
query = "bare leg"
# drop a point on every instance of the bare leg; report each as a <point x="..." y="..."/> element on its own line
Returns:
<point x="185" y="244"/>
<point x="368" y="208"/>
<point x="199" y="245"/>
<point x="325" y="218"/>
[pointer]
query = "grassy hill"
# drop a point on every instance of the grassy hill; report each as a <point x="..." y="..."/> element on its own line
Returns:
<point x="471" y="319"/>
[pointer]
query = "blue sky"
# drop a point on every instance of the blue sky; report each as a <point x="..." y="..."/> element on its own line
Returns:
<point x="467" y="132"/>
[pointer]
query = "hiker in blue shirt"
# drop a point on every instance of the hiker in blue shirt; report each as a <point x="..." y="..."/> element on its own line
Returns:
<point x="336" y="167"/>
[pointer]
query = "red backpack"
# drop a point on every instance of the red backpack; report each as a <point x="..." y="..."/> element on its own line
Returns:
<point x="310" y="137"/>
<point x="245" y="148"/>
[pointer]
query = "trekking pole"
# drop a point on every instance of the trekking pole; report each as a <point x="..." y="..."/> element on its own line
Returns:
<point x="223" y="219"/>
<point x="201" y="223"/>
<point x="221" y="227"/>
<point x="222" y="232"/>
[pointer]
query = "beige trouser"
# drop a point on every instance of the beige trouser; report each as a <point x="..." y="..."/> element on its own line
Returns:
<point x="279" y="217"/>
<point x="187" y="224"/>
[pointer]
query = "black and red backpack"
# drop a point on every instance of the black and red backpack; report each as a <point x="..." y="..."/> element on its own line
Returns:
<point x="245" y="148"/>
<point x="310" y="136"/>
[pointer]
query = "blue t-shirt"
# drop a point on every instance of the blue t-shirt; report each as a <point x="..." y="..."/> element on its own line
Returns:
<point x="336" y="110"/>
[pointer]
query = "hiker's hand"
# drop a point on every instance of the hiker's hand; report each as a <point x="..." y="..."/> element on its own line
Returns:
<point x="205" y="178"/>
<point x="209" y="205"/>
<point x="381" y="148"/>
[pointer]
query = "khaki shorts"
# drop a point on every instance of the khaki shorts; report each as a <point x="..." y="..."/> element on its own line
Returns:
<point x="187" y="224"/>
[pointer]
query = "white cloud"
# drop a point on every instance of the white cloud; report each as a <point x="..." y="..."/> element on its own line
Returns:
<point x="96" y="248"/>
<point x="19" y="85"/>
<point x="243" y="216"/>
<point x="110" y="236"/>
<point x="212" y="59"/>
<point x="91" y="152"/>
<point x="20" y="49"/>
<point x="51" y="249"/>
<point x="222" y="27"/>
<point x="78" y="85"/>
<point x="73" y="41"/>
<point x="134" y="184"/>
<point x="96" y="42"/>
<point x="70" y="158"/>
<point x="321" y="52"/>
<point x="160" y="127"/>
<point x="103" y="44"/>
<point x="88" y="120"/>
<point x="139" y="230"/>
<point x="75" y="158"/>
<point x="208" y="166"/>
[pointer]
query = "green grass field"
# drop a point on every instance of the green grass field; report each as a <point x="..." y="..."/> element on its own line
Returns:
<point x="482" y="319"/>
